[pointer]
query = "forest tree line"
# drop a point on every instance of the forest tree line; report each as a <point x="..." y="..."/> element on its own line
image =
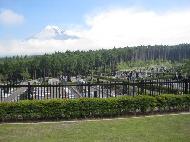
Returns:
<point x="84" y="62"/>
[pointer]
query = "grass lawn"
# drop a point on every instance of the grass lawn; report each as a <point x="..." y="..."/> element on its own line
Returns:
<point x="167" y="128"/>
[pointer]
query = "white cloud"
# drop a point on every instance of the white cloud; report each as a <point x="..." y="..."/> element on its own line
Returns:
<point x="123" y="27"/>
<point x="116" y="27"/>
<point x="9" y="17"/>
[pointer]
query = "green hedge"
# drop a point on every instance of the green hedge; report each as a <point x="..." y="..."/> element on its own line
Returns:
<point x="91" y="108"/>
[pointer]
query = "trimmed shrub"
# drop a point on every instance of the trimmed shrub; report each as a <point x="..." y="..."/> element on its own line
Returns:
<point x="56" y="109"/>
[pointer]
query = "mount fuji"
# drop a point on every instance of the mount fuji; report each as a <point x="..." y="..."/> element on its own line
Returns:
<point x="53" y="32"/>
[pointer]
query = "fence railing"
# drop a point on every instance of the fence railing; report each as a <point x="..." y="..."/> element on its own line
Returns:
<point x="13" y="92"/>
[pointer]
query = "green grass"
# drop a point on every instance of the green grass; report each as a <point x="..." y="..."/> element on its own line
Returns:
<point x="144" y="129"/>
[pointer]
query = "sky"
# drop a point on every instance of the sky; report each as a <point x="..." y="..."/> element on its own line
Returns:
<point x="45" y="26"/>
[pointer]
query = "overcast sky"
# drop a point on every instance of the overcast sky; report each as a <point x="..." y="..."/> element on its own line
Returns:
<point x="45" y="26"/>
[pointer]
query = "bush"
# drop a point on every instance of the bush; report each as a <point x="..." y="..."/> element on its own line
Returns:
<point x="67" y="109"/>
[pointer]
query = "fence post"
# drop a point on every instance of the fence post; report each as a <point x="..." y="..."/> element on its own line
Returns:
<point x="188" y="82"/>
<point x="186" y="86"/>
<point x="115" y="88"/>
<point x="84" y="88"/>
<point x="107" y="89"/>
<point x="88" y="90"/>
<point x="110" y="88"/>
<point x="133" y="88"/>
<point x="123" y="91"/>
<point x="1" y="89"/>
<point x="142" y="87"/>
<point x="95" y="94"/>
<point x="29" y="91"/>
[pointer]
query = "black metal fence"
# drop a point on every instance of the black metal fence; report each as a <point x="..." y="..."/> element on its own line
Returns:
<point x="13" y="92"/>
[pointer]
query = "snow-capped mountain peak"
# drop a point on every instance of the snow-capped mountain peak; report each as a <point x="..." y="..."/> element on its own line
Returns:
<point x="52" y="32"/>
